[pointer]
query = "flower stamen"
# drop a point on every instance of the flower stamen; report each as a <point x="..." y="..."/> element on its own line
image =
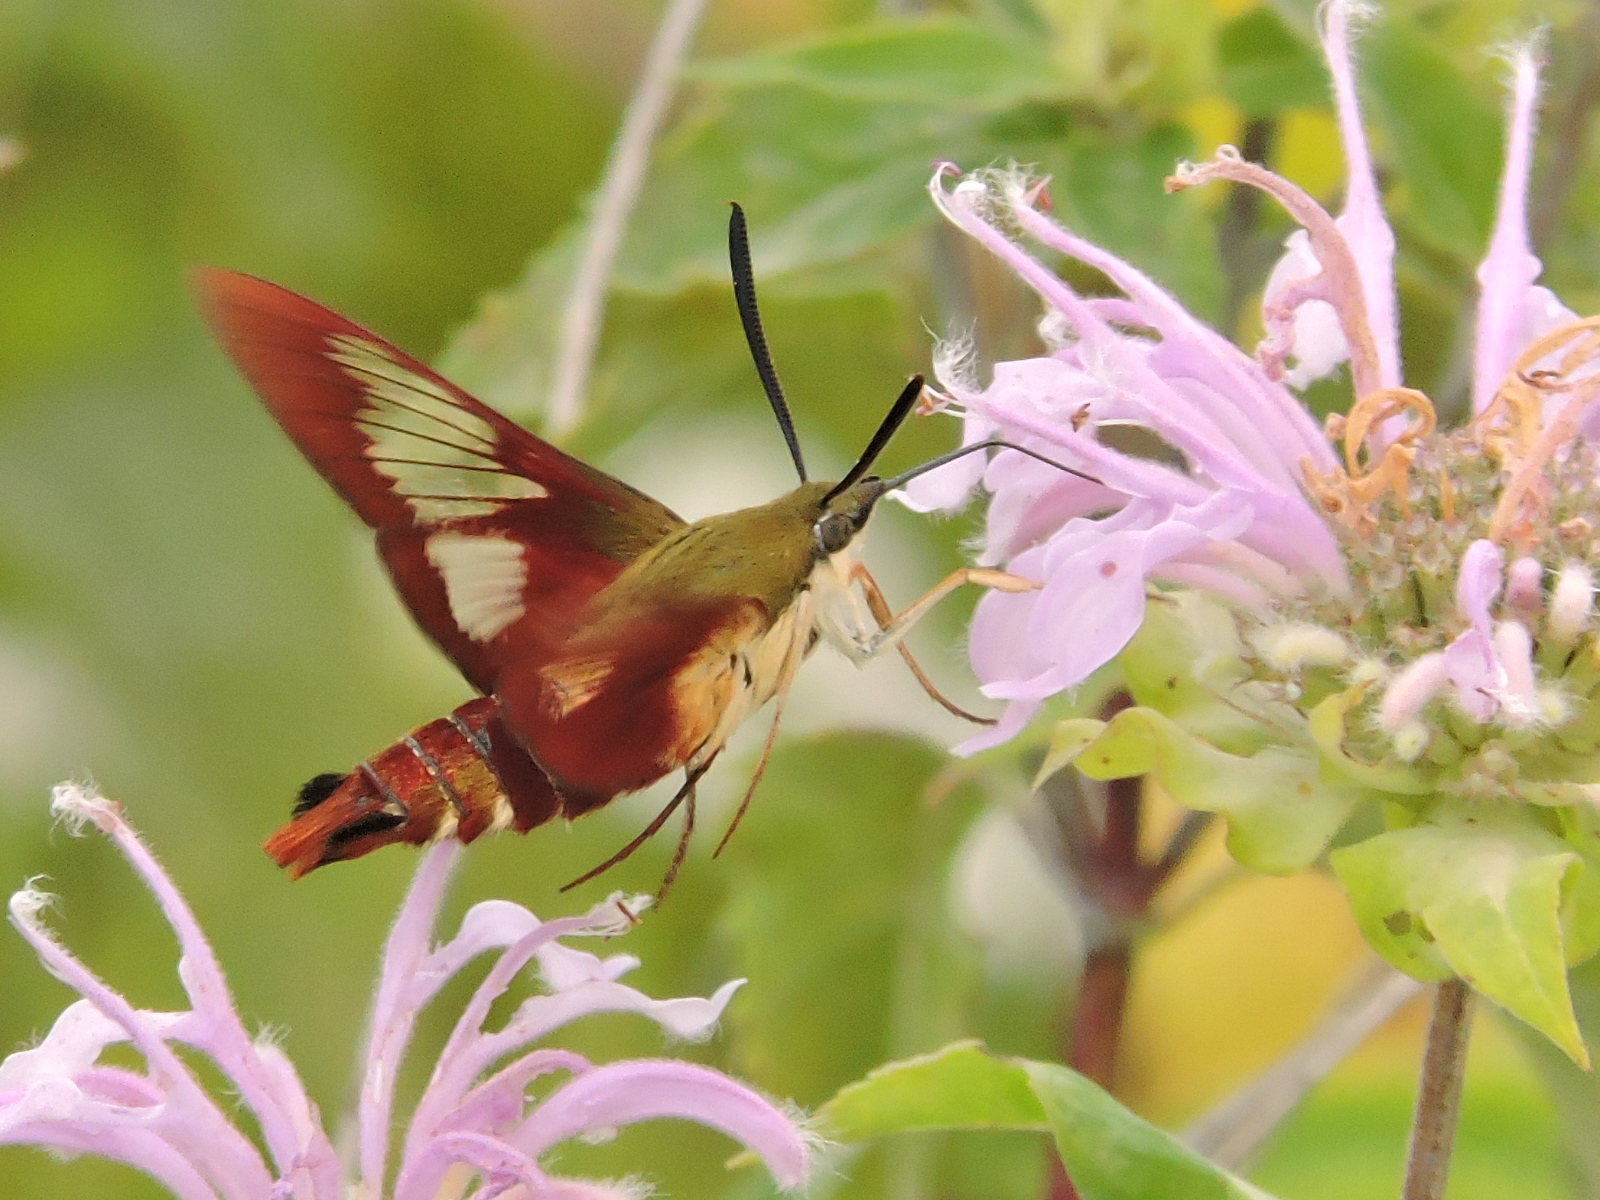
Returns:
<point x="1527" y="392"/>
<point x="1352" y="493"/>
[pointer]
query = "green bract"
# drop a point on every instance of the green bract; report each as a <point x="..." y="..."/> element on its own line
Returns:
<point x="1499" y="887"/>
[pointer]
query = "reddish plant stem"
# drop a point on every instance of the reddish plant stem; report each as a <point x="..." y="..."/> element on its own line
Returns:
<point x="1444" y="1069"/>
<point x="1097" y="1019"/>
<point x="1109" y="867"/>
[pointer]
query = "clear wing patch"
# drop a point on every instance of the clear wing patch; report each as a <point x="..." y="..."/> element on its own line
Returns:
<point x="484" y="578"/>
<point x="440" y="456"/>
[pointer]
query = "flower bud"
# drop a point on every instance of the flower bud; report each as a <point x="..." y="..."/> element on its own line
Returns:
<point x="1571" y="604"/>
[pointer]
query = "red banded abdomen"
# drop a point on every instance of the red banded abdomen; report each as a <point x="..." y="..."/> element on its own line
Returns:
<point x="461" y="776"/>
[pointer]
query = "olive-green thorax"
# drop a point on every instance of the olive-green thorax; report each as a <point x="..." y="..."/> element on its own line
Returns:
<point x="764" y="553"/>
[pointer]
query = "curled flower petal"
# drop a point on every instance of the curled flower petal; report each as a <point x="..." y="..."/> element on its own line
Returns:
<point x="1298" y="321"/>
<point x="478" y="1104"/>
<point x="624" y="1093"/>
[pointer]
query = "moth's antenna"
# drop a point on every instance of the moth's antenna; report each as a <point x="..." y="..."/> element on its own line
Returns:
<point x="744" y="291"/>
<point x="991" y="444"/>
<point x="898" y="412"/>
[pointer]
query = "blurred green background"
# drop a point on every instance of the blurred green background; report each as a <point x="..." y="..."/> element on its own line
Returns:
<point x="191" y="619"/>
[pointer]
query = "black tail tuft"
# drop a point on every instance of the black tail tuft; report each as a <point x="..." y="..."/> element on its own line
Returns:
<point x="316" y="790"/>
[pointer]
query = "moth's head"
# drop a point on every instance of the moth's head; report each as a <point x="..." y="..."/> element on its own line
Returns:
<point x="841" y="517"/>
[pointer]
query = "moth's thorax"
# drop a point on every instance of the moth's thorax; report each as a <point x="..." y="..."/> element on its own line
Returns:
<point x="729" y="683"/>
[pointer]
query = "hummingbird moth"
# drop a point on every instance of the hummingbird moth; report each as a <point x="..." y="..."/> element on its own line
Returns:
<point x="611" y="642"/>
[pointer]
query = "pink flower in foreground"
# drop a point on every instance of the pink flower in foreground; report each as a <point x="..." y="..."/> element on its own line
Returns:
<point x="474" y="1122"/>
<point x="1428" y="565"/>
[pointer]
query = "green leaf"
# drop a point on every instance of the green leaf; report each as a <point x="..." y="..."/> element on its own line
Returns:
<point x="1281" y="813"/>
<point x="962" y="1086"/>
<point x="1067" y="741"/>
<point x="1185" y="658"/>
<point x="1576" y="1093"/>
<point x="1328" y="725"/>
<point x="1266" y="68"/>
<point x="1447" y="138"/>
<point x="943" y="61"/>
<point x="1111" y="1154"/>
<point x="1483" y="894"/>
<point x="823" y="180"/>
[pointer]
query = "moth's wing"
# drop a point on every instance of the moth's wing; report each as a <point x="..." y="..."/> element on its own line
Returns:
<point x="494" y="538"/>
<point x="633" y="697"/>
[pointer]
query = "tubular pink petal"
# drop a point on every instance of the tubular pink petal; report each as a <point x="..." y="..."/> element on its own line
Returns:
<point x="1167" y="412"/>
<point x="1475" y="668"/>
<point x="1478" y="582"/>
<point x="71" y="1048"/>
<point x="1012" y="721"/>
<point x="1409" y="692"/>
<point x="500" y="1164"/>
<point x="225" y="1039"/>
<point x="1216" y="580"/>
<point x="1093" y="599"/>
<point x="621" y="1094"/>
<point x="950" y="487"/>
<point x="1362" y="223"/>
<point x="1282" y="433"/>
<point x="496" y="1104"/>
<point x="57" y="1130"/>
<point x="1512" y="311"/>
<point x="539" y="1016"/>
<point x="1518" y="697"/>
<point x="1476" y="674"/>
<point x="396" y="1005"/>
<point x="216" y="1147"/>
<point x="1525" y="586"/>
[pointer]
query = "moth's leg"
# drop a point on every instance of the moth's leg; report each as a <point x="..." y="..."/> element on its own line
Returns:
<point x="884" y="616"/>
<point x="892" y="633"/>
<point x="683" y="838"/>
<point x="686" y="792"/>
<point x="786" y="674"/>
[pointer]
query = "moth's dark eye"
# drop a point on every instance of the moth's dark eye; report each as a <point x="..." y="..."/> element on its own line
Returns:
<point x="834" y="532"/>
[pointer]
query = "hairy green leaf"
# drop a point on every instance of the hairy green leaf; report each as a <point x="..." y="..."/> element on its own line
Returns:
<point x="1484" y="894"/>
<point x="941" y="61"/>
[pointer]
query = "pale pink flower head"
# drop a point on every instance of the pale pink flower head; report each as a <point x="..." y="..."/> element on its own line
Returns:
<point x="1209" y="475"/>
<point x="475" y="1131"/>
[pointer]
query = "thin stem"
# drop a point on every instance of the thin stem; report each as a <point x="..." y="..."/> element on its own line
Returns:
<point x="1231" y="1132"/>
<point x="1096" y="1033"/>
<point x="1444" y="1068"/>
<point x="613" y="205"/>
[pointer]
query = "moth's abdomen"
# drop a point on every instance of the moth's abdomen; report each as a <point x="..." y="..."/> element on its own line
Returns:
<point x="461" y="776"/>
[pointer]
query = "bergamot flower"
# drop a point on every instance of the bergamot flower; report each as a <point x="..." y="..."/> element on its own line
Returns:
<point x="1376" y="611"/>
<point x="477" y="1129"/>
